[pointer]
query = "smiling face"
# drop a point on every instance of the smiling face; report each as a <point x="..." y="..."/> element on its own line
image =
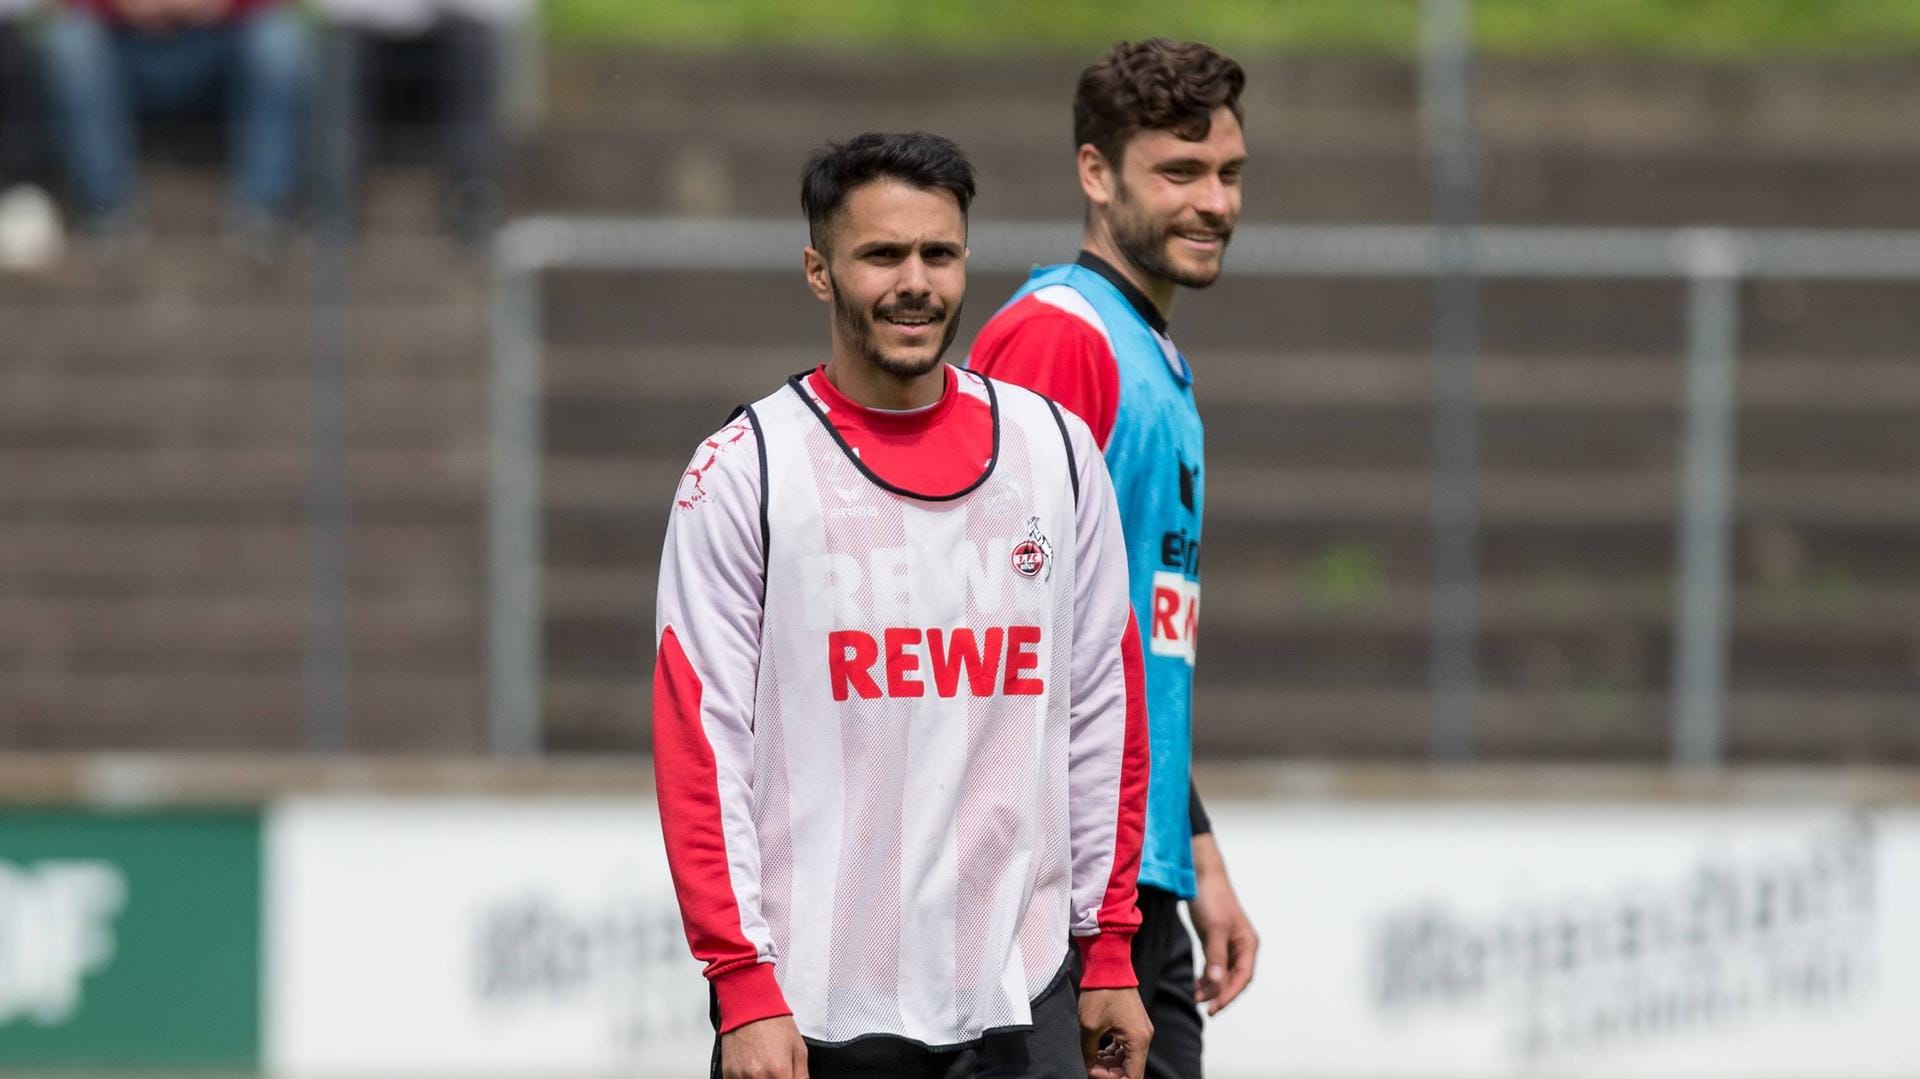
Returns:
<point x="895" y="271"/>
<point x="1170" y="207"/>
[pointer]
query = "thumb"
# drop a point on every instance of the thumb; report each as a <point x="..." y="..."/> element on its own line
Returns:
<point x="1213" y="974"/>
<point x="799" y="1059"/>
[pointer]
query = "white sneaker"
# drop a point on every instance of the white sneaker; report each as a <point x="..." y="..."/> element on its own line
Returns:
<point x="30" y="234"/>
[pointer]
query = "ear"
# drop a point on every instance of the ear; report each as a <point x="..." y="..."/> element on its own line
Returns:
<point x="819" y="282"/>
<point x="1097" y="177"/>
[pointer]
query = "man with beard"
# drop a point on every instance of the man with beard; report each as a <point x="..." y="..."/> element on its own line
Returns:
<point x="1160" y="154"/>
<point x="899" y="716"/>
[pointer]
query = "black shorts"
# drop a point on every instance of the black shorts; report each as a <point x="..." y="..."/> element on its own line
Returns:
<point x="1050" y="1049"/>
<point x="1163" y="961"/>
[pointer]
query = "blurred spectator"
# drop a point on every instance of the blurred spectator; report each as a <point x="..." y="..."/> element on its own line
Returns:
<point x="18" y="85"/>
<point x="29" y="221"/>
<point x="444" y="54"/>
<point x="111" y="61"/>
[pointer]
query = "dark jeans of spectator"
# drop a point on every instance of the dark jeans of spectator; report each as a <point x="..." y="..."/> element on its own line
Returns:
<point x="22" y="113"/>
<point x="101" y="77"/>
<point x="450" y="73"/>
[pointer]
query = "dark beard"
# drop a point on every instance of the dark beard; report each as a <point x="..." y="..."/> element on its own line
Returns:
<point x="1145" y="245"/>
<point x="858" y="327"/>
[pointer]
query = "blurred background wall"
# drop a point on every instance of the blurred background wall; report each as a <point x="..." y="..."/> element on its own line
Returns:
<point x="173" y="379"/>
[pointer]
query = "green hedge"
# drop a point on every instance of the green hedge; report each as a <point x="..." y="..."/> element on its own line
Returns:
<point x="1713" y="28"/>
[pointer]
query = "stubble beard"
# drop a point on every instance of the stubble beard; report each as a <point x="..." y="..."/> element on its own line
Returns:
<point x="858" y="328"/>
<point x="1144" y="242"/>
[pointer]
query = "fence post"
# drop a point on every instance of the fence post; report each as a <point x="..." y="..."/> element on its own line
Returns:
<point x="1702" y="587"/>
<point x="1447" y="101"/>
<point x="514" y="517"/>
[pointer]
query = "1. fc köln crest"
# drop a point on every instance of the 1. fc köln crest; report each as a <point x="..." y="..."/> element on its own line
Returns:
<point x="1033" y="556"/>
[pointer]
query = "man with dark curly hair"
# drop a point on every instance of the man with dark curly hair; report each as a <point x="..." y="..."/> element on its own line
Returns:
<point x="1160" y="152"/>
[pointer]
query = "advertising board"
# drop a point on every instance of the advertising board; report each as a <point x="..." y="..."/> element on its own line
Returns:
<point x="445" y="937"/>
<point x="129" y="940"/>
<point x="1520" y="940"/>
<point x="440" y="938"/>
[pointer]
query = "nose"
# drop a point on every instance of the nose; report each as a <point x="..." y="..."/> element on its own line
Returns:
<point x="1215" y="197"/>
<point x="914" y="280"/>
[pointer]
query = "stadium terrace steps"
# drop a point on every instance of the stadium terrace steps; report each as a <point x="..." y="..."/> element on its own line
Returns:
<point x="1334" y="139"/>
<point x="58" y="708"/>
<point x="1598" y="385"/>
<point x="395" y="627"/>
<point x="154" y="470"/>
<point x="1855" y="104"/>
<point x="1320" y="512"/>
<point x="1277" y="494"/>
<point x="141" y="556"/>
<point x="1837" y="323"/>
<point x="153" y="410"/>
<point x="1524" y="184"/>
<point x="153" y="418"/>
<point x="180" y="198"/>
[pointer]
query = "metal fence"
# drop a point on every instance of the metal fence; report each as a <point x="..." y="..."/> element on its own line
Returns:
<point x="1712" y="263"/>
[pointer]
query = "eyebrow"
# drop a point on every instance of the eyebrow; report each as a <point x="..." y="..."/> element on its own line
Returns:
<point x="1195" y="162"/>
<point x="873" y="247"/>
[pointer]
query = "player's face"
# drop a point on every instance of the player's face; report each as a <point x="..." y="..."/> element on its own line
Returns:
<point x="896" y="274"/>
<point x="1173" y="203"/>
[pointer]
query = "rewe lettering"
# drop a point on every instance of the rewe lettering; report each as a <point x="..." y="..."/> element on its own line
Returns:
<point x="887" y="585"/>
<point x="1176" y="616"/>
<point x="908" y="662"/>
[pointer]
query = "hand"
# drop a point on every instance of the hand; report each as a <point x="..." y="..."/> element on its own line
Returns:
<point x="1227" y="940"/>
<point x="765" y="1049"/>
<point x="1116" y="1014"/>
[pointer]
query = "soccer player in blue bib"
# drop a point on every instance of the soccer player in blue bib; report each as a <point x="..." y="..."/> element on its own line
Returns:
<point x="1160" y="152"/>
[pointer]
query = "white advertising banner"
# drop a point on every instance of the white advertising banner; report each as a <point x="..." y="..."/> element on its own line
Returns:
<point x="541" y="938"/>
<point x="450" y="938"/>
<point x="1529" y="940"/>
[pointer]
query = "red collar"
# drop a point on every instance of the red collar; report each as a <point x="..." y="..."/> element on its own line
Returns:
<point x="886" y="420"/>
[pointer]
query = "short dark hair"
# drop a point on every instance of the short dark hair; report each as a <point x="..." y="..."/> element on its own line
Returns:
<point x="915" y="158"/>
<point x="1153" y="85"/>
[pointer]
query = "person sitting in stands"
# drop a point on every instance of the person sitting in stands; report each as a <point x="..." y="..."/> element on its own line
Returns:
<point x="446" y="53"/>
<point x="110" y="62"/>
<point x="29" y="220"/>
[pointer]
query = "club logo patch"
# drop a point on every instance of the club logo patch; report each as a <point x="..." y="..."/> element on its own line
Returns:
<point x="1033" y="556"/>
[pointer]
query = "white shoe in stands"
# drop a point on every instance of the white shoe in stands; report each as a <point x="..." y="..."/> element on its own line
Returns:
<point x="30" y="234"/>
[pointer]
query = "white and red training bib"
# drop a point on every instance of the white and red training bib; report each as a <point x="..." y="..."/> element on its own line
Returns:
<point x="900" y="740"/>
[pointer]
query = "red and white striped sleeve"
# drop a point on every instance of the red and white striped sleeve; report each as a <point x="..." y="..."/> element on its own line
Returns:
<point x="1108" y="749"/>
<point x="711" y="592"/>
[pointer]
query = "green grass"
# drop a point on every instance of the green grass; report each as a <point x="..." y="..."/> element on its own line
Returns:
<point x="1714" y="28"/>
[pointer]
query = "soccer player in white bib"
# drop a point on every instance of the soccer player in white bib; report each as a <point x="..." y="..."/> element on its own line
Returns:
<point x="899" y="724"/>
